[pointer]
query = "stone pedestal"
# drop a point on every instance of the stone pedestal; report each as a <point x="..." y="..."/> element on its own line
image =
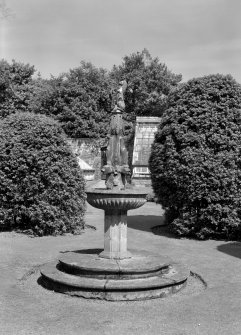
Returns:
<point x="116" y="203"/>
<point x="143" y="276"/>
<point x="115" y="238"/>
<point x="115" y="274"/>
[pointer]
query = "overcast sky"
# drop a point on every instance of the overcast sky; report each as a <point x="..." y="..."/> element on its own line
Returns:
<point x="192" y="37"/>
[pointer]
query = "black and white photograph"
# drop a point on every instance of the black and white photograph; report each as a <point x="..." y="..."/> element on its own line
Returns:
<point x="120" y="167"/>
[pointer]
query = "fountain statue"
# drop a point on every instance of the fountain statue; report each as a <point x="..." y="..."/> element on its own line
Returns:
<point x="119" y="196"/>
<point x="115" y="273"/>
<point x="117" y="169"/>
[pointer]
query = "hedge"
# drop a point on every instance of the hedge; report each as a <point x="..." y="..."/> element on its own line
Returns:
<point x="41" y="184"/>
<point x="195" y="161"/>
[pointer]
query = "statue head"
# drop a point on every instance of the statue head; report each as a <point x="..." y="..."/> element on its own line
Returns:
<point x="122" y="86"/>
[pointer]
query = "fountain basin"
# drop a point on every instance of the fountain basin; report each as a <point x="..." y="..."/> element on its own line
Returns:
<point x="116" y="203"/>
<point x="116" y="199"/>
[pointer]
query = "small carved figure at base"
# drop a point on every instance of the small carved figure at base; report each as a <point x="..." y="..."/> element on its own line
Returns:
<point x="115" y="180"/>
<point x="109" y="183"/>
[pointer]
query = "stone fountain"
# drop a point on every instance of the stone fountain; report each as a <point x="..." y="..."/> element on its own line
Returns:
<point x="115" y="273"/>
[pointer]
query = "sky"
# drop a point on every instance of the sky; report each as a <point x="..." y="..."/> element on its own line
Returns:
<point x="192" y="37"/>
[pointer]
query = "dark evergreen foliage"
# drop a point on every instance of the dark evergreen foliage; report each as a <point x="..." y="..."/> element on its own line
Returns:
<point x="15" y="87"/>
<point x="196" y="159"/>
<point x="149" y="82"/>
<point x="82" y="99"/>
<point x="41" y="184"/>
<point x="79" y="100"/>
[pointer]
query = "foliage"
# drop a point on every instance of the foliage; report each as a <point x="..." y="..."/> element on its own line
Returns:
<point x="15" y="87"/>
<point x="196" y="159"/>
<point x="149" y="82"/>
<point x="81" y="99"/>
<point x="77" y="99"/>
<point x="41" y="185"/>
<point x="41" y="93"/>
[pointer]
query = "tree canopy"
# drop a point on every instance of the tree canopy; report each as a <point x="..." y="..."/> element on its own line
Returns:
<point x="16" y="85"/>
<point x="81" y="99"/>
<point x="76" y="99"/>
<point x="149" y="81"/>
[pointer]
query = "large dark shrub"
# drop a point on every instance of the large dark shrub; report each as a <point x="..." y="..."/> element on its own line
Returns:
<point x="41" y="184"/>
<point x="196" y="159"/>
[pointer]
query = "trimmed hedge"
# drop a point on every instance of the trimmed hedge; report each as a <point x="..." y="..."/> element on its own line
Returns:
<point x="41" y="184"/>
<point x="196" y="159"/>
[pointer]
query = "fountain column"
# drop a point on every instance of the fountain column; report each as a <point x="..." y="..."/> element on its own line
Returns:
<point x="115" y="235"/>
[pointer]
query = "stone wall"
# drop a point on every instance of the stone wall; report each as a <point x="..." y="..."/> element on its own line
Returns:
<point x="89" y="151"/>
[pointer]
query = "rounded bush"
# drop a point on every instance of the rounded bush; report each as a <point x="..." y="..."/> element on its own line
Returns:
<point x="195" y="161"/>
<point x="41" y="184"/>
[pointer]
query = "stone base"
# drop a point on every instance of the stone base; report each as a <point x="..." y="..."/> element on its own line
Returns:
<point x="115" y="255"/>
<point x="144" y="276"/>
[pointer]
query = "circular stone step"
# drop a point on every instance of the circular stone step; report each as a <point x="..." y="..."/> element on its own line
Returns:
<point x="142" y="264"/>
<point x="143" y="278"/>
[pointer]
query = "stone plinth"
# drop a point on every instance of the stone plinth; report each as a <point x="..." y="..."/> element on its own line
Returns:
<point x="144" y="276"/>
<point x="114" y="273"/>
<point x="116" y="204"/>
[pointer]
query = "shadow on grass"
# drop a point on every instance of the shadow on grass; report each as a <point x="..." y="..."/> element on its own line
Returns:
<point x="49" y="285"/>
<point x="164" y="231"/>
<point x="41" y="282"/>
<point x="144" y="222"/>
<point x="231" y="248"/>
<point x="150" y="223"/>
<point x="84" y="251"/>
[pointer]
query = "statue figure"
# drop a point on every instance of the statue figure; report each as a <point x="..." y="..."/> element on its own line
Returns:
<point x="116" y="168"/>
